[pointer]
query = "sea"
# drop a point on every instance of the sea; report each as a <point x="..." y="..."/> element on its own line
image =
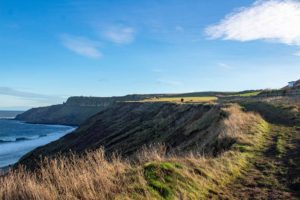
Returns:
<point x="18" y="138"/>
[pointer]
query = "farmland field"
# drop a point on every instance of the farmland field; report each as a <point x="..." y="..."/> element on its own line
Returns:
<point x="182" y="99"/>
<point x="249" y="94"/>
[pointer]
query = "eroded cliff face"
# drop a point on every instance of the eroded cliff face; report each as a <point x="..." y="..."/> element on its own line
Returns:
<point x="74" y="111"/>
<point x="78" y="109"/>
<point x="127" y="127"/>
<point x="60" y="114"/>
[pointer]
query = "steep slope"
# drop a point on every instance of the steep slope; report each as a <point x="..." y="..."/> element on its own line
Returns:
<point x="73" y="112"/>
<point x="77" y="109"/>
<point x="59" y="114"/>
<point x="154" y="175"/>
<point x="126" y="127"/>
<point x="242" y="153"/>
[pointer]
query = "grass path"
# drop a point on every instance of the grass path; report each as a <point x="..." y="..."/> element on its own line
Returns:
<point x="274" y="173"/>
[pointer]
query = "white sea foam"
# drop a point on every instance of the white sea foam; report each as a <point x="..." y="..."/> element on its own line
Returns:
<point x="7" y="117"/>
<point x="11" y="152"/>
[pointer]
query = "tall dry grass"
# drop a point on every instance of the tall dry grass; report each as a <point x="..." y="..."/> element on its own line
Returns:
<point x="286" y="100"/>
<point x="90" y="176"/>
<point x="239" y="125"/>
<point x="93" y="176"/>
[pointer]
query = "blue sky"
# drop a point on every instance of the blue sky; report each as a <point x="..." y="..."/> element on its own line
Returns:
<point x="51" y="50"/>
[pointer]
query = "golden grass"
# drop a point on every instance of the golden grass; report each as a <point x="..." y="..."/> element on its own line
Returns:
<point x="179" y="99"/>
<point x="153" y="175"/>
<point x="287" y="101"/>
<point x="88" y="177"/>
<point x="239" y="123"/>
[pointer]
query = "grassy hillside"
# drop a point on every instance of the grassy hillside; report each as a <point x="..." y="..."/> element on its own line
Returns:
<point x="282" y="112"/>
<point x="210" y="151"/>
<point x="232" y="136"/>
<point x="126" y="127"/>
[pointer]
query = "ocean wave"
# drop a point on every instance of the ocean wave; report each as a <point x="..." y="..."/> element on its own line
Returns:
<point x="15" y="144"/>
<point x="19" y="139"/>
<point x="7" y="117"/>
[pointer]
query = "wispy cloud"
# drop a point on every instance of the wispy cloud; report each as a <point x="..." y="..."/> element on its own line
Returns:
<point x="8" y="91"/>
<point x="11" y="98"/>
<point x="81" y="45"/>
<point x="297" y="54"/>
<point x="274" y="20"/>
<point x="13" y="92"/>
<point x="120" y="34"/>
<point x="28" y="98"/>
<point x="179" y="28"/>
<point x="224" y="66"/>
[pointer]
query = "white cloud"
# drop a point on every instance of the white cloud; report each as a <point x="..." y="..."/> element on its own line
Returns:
<point x="274" y="20"/>
<point x="82" y="46"/>
<point x="120" y="34"/>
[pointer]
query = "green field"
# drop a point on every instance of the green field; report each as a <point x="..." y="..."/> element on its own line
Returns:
<point x="249" y="94"/>
<point x="182" y="99"/>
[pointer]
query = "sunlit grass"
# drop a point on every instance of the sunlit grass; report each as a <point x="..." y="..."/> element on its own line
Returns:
<point x="182" y="99"/>
<point x="249" y="94"/>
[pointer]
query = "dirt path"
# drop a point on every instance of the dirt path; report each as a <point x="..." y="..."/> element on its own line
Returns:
<point x="274" y="173"/>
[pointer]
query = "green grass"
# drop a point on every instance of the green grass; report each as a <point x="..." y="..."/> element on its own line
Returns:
<point x="280" y="145"/>
<point x="273" y="113"/>
<point x="163" y="177"/>
<point x="281" y="140"/>
<point x="202" y="179"/>
<point x="249" y="94"/>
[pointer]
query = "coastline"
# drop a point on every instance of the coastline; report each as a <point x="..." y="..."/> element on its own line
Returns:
<point x="52" y="124"/>
<point x="19" y="148"/>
